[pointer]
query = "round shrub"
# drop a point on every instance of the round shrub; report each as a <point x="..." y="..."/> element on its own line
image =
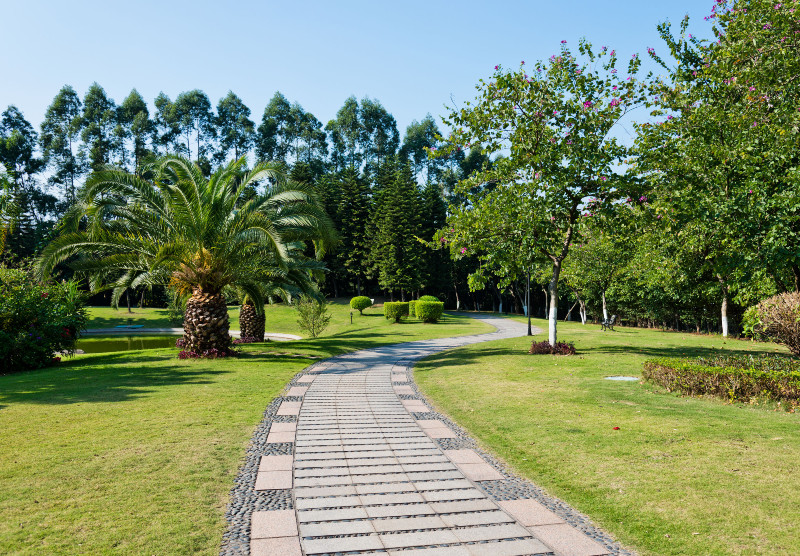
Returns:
<point x="429" y="311"/>
<point x="37" y="320"/>
<point x="395" y="310"/>
<point x="428" y="298"/>
<point x="361" y="302"/>
<point x="412" y="308"/>
<point x="779" y="320"/>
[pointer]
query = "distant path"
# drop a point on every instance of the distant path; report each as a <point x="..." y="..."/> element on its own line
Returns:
<point x="353" y="460"/>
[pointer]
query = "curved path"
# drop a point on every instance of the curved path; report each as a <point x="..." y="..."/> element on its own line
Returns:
<point x="352" y="460"/>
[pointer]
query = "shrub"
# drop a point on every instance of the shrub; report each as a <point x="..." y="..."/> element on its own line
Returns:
<point x="734" y="378"/>
<point x="544" y="348"/>
<point x="395" y="310"/>
<point x="428" y="298"/>
<point x="412" y="308"/>
<point x="360" y="303"/>
<point x="312" y="315"/>
<point x="429" y="311"/>
<point x="779" y="320"/>
<point x="37" y="320"/>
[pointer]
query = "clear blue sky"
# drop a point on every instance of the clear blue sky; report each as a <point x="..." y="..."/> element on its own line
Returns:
<point x="411" y="55"/>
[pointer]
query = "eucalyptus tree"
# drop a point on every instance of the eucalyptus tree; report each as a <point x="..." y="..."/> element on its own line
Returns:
<point x="556" y="126"/>
<point x="419" y="139"/>
<point x="177" y="228"/>
<point x="133" y="127"/>
<point x="380" y="138"/>
<point x="165" y="126"/>
<point x="18" y="142"/>
<point x="195" y="120"/>
<point x="276" y="133"/>
<point x="346" y="134"/>
<point x="98" y="121"/>
<point x="59" y="140"/>
<point x="236" y="129"/>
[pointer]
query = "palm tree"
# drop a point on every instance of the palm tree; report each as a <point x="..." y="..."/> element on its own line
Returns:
<point x="172" y="226"/>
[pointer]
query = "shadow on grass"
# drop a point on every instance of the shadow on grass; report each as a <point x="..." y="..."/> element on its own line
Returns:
<point x="101" y="379"/>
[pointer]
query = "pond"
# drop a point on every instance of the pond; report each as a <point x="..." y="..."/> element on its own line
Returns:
<point x="124" y="343"/>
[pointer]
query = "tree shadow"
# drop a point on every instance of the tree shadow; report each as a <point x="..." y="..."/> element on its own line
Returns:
<point x="101" y="379"/>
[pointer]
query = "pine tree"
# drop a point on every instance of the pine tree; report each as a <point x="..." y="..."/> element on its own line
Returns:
<point x="437" y="266"/>
<point x="353" y="214"/>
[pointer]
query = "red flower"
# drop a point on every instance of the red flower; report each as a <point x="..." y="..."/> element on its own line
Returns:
<point x="616" y="428"/>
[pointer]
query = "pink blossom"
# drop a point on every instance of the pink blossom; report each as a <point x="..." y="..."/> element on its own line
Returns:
<point x="496" y="68"/>
<point x="603" y="178"/>
<point x="613" y="52"/>
<point x="463" y="250"/>
<point x="563" y="42"/>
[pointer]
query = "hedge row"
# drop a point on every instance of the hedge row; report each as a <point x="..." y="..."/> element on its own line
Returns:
<point x="429" y="311"/>
<point x="395" y="310"/>
<point x="733" y="378"/>
<point x="425" y="310"/>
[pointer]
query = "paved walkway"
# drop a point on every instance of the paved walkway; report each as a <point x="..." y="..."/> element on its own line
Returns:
<point x="373" y="471"/>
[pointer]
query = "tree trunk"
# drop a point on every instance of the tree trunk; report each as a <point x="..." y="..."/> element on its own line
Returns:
<point x="605" y="310"/>
<point x="546" y="303"/>
<point x="724" y="309"/>
<point x="458" y="301"/>
<point x="128" y="299"/>
<point x="251" y="324"/>
<point x="205" y="324"/>
<point x="583" y="311"/>
<point x="528" y="302"/>
<point x="553" y="291"/>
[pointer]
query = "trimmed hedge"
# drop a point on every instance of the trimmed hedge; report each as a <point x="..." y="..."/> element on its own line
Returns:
<point x="428" y="298"/>
<point x="395" y="310"/>
<point x="429" y="311"/>
<point x="361" y="302"/>
<point x="733" y="378"/>
<point x="412" y="308"/>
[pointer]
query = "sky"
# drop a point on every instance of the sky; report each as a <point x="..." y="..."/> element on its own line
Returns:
<point x="415" y="57"/>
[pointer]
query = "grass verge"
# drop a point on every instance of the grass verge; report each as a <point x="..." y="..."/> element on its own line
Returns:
<point x="136" y="452"/>
<point x="680" y="476"/>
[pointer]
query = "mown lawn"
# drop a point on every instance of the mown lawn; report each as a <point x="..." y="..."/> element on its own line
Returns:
<point x="136" y="452"/>
<point x="680" y="476"/>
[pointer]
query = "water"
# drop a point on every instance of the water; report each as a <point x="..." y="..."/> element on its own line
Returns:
<point x="631" y="378"/>
<point x="125" y="343"/>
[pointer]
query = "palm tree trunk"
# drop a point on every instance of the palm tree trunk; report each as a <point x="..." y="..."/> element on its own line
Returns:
<point x="205" y="324"/>
<point x="251" y="324"/>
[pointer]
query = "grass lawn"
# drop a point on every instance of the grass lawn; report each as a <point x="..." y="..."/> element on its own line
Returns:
<point x="136" y="452"/>
<point x="681" y="476"/>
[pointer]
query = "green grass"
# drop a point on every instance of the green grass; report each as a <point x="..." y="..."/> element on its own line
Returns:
<point x="681" y="476"/>
<point x="136" y="452"/>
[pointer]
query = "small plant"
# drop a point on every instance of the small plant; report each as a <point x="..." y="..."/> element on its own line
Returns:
<point x="545" y="348"/>
<point x="313" y="315"/>
<point x="247" y="340"/>
<point x="429" y="311"/>
<point x="361" y="302"/>
<point x="395" y="310"/>
<point x="778" y="318"/>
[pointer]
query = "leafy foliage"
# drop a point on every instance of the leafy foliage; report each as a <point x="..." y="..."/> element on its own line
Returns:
<point x="361" y="302"/>
<point x="428" y="311"/>
<point x="546" y="348"/>
<point x="395" y="310"/>
<point x="37" y="319"/>
<point x="312" y="315"/>
<point x="779" y="320"/>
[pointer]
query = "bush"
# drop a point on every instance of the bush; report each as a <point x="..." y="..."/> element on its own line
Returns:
<point x="412" y="308"/>
<point x="428" y="298"/>
<point x="37" y="320"/>
<point x="360" y="303"/>
<point x="429" y="311"/>
<point x="544" y="348"/>
<point x="778" y="318"/>
<point x="734" y="378"/>
<point x="395" y="310"/>
<point x="313" y="316"/>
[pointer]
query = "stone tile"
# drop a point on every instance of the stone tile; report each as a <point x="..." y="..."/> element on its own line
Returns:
<point x="310" y="492"/>
<point x="477" y="518"/>
<point x="306" y="379"/>
<point x="283" y="427"/>
<point x="375" y="469"/>
<point x="320" y="464"/>
<point x="441" y="466"/>
<point x="281" y="523"/>
<point x="285" y="546"/>
<point x="463" y="506"/>
<point x="434" y="475"/>
<point x="381" y="499"/>
<point x="419" y="538"/>
<point x="430" y="423"/>
<point x="530" y="512"/>
<point x="508" y="548"/>
<point x="385" y="478"/>
<point x="384" y="488"/>
<point x="408" y="524"/>
<point x="406" y="390"/>
<point x="322" y="481"/>
<point x="280" y="437"/>
<point x="414" y="406"/>
<point x="459" y="494"/>
<point x="307" y="516"/>
<point x="289" y="408"/>
<point x="271" y="480"/>
<point x="443" y="485"/>
<point x="497" y="532"/>
<point x="336" y="528"/>
<point x="441" y="432"/>
<point x="399" y="511"/>
<point x="464" y="456"/>
<point x="567" y="541"/>
<point x="433" y="551"/>
<point x="480" y="472"/>
<point x="297" y="391"/>
<point x="275" y="463"/>
<point x="342" y="544"/>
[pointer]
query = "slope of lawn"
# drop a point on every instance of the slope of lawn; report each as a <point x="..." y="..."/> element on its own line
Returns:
<point x="136" y="452"/>
<point x="680" y="476"/>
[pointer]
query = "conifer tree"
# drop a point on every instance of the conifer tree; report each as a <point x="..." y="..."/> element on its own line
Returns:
<point x="353" y="214"/>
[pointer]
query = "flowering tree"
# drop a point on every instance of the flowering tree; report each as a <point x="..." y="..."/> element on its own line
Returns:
<point x="555" y="129"/>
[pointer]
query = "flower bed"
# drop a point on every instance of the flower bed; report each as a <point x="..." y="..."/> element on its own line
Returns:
<point x="735" y="378"/>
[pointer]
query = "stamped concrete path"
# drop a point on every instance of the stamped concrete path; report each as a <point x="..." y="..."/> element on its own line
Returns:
<point x="372" y="470"/>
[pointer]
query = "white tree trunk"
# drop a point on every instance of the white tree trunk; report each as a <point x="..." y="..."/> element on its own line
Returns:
<point x="583" y="311"/>
<point x="501" y="306"/>
<point x="553" y="309"/>
<point x="725" y="317"/>
<point x="605" y="310"/>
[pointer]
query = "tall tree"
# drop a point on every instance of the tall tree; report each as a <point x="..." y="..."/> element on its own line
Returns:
<point x="236" y="129"/>
<point x="277" y="130"/>
<point x="59" y="140"/>
<point x="165" y="126"/>
<point x="195" y="120"/>
<point x="419" y="139"/>
<point x="380" y="136"/>
<point x="346" y="133"/>
<point x="353" y="214"/>
<point x="134" y="126"/>
<point x="98" y="121"/>
<point x="18" y="142"/>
